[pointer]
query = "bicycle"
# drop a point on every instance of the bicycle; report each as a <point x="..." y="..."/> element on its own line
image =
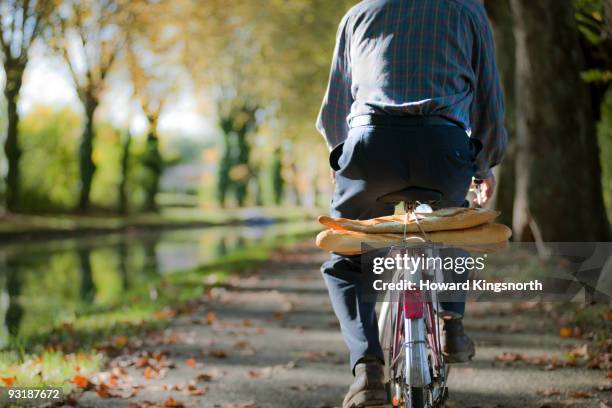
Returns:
<point x="410" y="324"/>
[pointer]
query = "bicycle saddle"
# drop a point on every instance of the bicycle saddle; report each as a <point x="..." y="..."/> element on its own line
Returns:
<point x="410" y="195"/>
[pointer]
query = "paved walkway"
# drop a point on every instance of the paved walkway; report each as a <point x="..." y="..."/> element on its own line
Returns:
<point x="271" y="340"/>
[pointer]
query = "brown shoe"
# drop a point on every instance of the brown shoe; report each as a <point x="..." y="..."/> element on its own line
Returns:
<point x="368" y="389"/>
<point x="458" y="347"/>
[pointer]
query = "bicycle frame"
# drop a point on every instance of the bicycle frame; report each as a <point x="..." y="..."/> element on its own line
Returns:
<point x="415" y="337"/>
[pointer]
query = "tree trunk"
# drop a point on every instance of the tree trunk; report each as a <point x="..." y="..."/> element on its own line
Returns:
<point x="225" y="165"/>
<point x="86" y="165"/>
<point x="11" y="145"/>
<point x="242" y="159"/>
<point x="154" y="164"/>
<point x="125" y="165"/>
<point x="278" y="183"/>
<point x="558" y="186"/>
<point x="500" y="14"/>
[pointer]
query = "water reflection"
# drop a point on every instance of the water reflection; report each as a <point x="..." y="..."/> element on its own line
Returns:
<point x="14" y="311"/>
<point x="46" y="283"/>
<point x="88" y="289"/>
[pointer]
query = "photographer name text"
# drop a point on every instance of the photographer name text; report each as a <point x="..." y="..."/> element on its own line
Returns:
<point x="472" y="285"/>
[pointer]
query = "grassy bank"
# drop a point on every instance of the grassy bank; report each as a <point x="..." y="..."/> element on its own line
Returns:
<point x="58" y="355"/>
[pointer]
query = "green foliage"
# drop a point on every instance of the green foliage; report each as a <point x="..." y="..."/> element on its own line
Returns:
<point x="589" y="15"/>
<point x="49" y="169"/>
<point x="605" y="146"/>
<point x="50" y="175"/>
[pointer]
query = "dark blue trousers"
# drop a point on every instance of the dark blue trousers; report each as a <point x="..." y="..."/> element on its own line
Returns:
<point x="374" y="161"/>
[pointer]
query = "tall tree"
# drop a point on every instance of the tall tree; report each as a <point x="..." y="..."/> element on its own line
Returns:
<point x="21" y="22"/>
<point x="126" y="143"/>
<point x="500" y="14"/>
<point x="558" y="190"/>
<point x="89" y="34"/>
<point x="153" y="58"/>
<point x="276" y="172"/>
<point x="152" y="91"/>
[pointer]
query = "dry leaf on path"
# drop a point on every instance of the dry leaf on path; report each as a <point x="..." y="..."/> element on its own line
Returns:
<point x="549" y="392"/>
<point x="172" y="403"/>
<point x="249" y="404"/>
<point x="81" y="381"/>
<point x="8" y="381"/>
<point x="581" y="394"/>
<point x="210" y="375"/>
<point x="217" y="354"/>
<point x="258" y="374"/>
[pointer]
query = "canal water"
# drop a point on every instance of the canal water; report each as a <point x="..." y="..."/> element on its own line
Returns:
<point x="45" y="283"/>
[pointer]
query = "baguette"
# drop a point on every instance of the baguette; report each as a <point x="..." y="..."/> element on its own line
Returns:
<point x="482" y="238"/>
<point x="446" y="219"/>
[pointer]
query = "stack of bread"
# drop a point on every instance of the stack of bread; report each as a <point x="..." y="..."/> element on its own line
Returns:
<point x="472" y="229"/>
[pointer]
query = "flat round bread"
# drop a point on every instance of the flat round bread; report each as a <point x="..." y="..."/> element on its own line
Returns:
<point x="446" y="219"/>
<point x="482" y="238"/>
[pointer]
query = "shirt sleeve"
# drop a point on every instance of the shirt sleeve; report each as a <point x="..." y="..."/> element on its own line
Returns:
<point x="332" y="120"/>
<point x="487" y="113"/>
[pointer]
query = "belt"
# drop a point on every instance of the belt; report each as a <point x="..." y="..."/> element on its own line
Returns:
<point x="412" y="120"/>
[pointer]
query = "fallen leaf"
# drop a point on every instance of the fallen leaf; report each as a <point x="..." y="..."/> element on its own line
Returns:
<point x="578" y="352"/>
<point x="566" y="332"/>
<point x="507" y="357"/>
<point x="8" y="381"/>
<point x="249" y="404"/>
<point x="172" y="403"/>
<point x="242" y="345"/>
<point x="210" y="317"/>
<point x="191" y="362"/>
<point x="217" y="353"/>
<point x="581" y="394"/>
<point x="259" y="373"/>
<point x="149" y="373"/>
<point x="80" y="381"/>
<point x="210" y="375"/>
<point x="195" y="391"/>
<point x="549" y="392"/>
<point x="102" y="391"/>
<point x="120" y="341"/>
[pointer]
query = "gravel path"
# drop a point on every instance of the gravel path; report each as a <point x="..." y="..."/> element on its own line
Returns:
<point x="271" y="340"/>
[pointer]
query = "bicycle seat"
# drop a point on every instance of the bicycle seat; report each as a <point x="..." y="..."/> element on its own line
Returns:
<point x="410" y="195"/>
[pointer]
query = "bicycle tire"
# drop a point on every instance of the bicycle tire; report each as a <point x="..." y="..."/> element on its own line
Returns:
<point x="418" y="397"/>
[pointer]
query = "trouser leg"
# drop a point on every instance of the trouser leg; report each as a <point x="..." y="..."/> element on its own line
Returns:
<point x="357" y="315"/>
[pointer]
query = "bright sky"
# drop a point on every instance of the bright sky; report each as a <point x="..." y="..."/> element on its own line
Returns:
<point x="47" y="81"/>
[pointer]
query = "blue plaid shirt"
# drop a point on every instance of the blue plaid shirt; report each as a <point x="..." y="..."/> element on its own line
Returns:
<point x="417" y="57"/>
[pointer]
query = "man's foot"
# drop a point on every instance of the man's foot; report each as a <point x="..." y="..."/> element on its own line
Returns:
<point x="458" y="347"/>
<point x="368" y="389"/>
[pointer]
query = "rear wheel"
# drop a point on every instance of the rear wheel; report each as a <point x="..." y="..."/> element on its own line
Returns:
<point x="392" y="340"/>
<point x="418" y="397"/>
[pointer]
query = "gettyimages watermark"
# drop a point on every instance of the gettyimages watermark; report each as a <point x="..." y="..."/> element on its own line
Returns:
<point x="568" y="271"/>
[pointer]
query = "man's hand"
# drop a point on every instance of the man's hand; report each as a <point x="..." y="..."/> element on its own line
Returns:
<point x="487" y="187"/>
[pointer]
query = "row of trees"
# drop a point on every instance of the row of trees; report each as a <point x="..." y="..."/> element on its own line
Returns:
<point x="256" y="62"/>
<point x="555" y="57"/>
<point x="90" y="35"/>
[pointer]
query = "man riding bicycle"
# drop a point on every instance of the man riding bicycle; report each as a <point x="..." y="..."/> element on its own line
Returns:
<point x="414" y="99"/>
